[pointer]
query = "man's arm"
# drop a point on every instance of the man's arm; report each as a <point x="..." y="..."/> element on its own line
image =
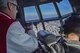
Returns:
<point x="19" y="40"/>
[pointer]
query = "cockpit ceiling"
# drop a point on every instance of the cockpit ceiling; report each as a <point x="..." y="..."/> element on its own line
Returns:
<point x="29" y="1"/>
<point x="32" y="2"/>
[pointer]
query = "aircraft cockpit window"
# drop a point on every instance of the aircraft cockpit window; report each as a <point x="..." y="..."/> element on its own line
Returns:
<point x="48" y="11"/>
<point x="30" y="13"/>
<point x="65" y="7"/>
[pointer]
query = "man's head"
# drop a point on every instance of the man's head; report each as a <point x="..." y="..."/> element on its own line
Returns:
<point x="72" y="27"/>
<point x="9" y="7"/>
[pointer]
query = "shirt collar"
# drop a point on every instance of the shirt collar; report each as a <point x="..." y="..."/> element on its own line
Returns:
<point x="3" y="13"/>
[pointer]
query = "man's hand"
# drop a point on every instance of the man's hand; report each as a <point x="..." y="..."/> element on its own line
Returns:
<point x="46" y="36"/>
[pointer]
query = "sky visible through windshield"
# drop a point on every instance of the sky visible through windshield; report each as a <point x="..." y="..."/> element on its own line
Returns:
<point x="47" y="10"/>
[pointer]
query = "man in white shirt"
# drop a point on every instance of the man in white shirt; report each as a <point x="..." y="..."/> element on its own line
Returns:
<point x="13" y="38"/>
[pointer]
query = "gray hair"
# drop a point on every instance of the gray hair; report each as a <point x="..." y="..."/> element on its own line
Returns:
<point x="3" y="3"/>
